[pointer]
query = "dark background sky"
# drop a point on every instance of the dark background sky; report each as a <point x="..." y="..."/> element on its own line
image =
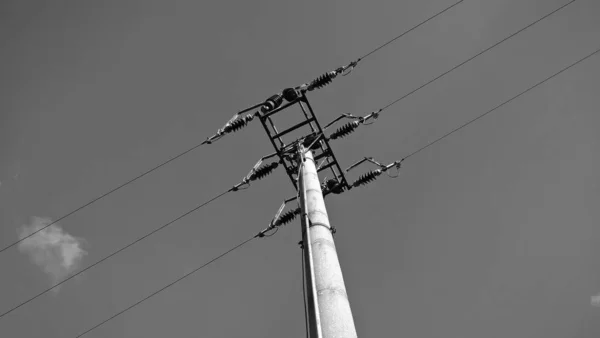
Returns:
<point x="491" y="233"/>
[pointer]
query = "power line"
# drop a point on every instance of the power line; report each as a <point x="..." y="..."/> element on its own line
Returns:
<point x="117" y="252"/>
<point x="500" y="105"/>
<point x="413" y="153"/>
<point x="208" y="141"/>
<point x="366" y="120"/>
<point x="218" y="196"/>
<point x="410" y="30"/>
<point x="165" y="287"/>
<point x="474" y="56"/>
<point x="104" y="195"/>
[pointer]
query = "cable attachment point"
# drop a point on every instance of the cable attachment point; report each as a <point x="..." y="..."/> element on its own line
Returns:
<point x="280" y="219"/>
<point x="258" y="172"/>
<point x="350" y="67"/>
<point x="332" y="186"/>
<point x="372" y="175"/>
<point x="326" y="78"/>
<point x="238" y="124"/>
<point x="350" y="127"/>
<point x="311" y="141"/>
<point x="234" y="124"/>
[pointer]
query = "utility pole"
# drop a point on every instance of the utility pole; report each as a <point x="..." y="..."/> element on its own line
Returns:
<point x="304" y="151"/>
<point x="330" y="315"/>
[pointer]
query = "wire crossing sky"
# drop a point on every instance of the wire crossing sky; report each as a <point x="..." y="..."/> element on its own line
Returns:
<point x="220" y="195"/>
<point x="53" y="287"/>
<point x="408" y="31"/>
<point x="413" y="153"/>
<point x="499" y="106"/>
<point x="494" y="231"/>
<point x="167" y="286"/>
<point x="106" y="194"/>
<point x="473" y="57"/>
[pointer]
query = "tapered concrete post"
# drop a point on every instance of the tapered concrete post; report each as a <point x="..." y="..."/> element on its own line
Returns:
<point x="323" y="272"/>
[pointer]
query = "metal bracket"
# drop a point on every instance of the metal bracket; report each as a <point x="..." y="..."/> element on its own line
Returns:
<point x="312" y="139"/>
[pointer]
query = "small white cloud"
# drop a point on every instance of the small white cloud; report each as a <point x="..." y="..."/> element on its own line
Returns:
<point x="56" y="252"/>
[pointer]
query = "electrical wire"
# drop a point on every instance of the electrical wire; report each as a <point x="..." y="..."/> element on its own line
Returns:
<point x="189" y="150"/>
<point x="410" y="30"/>
<point x="218" y="196"/>
<point x="411" y="154"/>
<point x="116" y="252"/>
<point x="165" y="287"/>
<point x="500" y="105"/>
<point x="104" y="195"/>
<point x="473" y="57"/>
<point x="272" y="233"/>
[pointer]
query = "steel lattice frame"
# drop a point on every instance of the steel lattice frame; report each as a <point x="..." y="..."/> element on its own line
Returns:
<point x="287" y="152"/>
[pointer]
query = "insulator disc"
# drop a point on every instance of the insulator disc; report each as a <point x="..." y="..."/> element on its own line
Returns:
<point x="344" y="130"/>
<point x="322" y="81"/>
<point x="263" y="171"/>
<point x="367" y="178"/>
<point x="287" y="217"/>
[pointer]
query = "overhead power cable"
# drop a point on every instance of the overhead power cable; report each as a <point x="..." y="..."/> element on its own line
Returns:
<point x="232" y="125"/>
<point x="256" y="173"/>
<point x="104" y="195"/>
<point x="411" y="154"/>
<point x="370" y="118"/>
<point x="473" y="57"/>
<point x="500" y="105"/>
<point x="370" y="176"/>
<point x="116" y="252"/>
<point x="165" y="287"/>
<point x="408" y="31"/>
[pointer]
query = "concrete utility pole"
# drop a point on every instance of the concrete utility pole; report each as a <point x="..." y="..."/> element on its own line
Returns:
<point x="299" y="147"/>
<point x="327" y="305"/>
<point x="330" y="316"/>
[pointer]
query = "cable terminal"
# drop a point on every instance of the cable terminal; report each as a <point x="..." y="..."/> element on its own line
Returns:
<point x="234" y="124"/>
<point x="372" y="175"/>
<point x="350" y="127"/>
<point x="280" y="219"/>
<point x="258" y="172"/>
<point x="327" y="78"/>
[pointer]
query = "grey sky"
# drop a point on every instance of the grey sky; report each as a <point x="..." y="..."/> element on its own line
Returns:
<point x="490" y="233"/>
